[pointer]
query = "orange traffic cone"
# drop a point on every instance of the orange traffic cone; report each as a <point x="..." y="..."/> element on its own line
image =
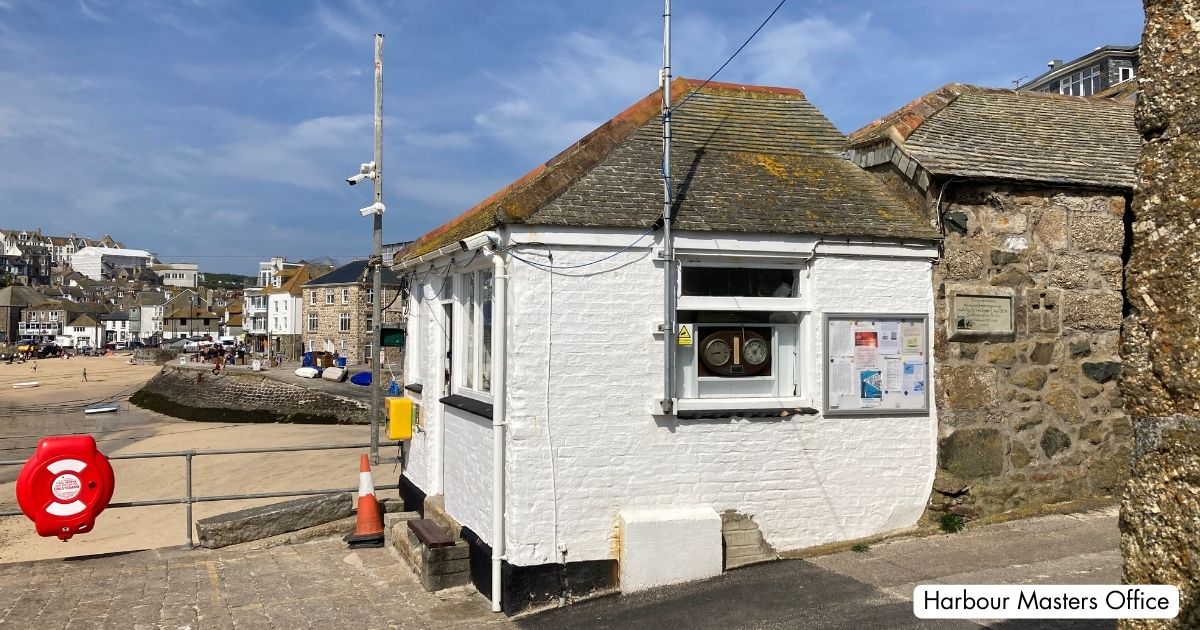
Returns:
<point x="368" y="532"/>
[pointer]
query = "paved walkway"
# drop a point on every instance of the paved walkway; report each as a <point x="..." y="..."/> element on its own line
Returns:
<point x="313" y="585"/>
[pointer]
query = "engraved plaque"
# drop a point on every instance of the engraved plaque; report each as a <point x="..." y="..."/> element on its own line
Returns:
<point x="987" y="314"/>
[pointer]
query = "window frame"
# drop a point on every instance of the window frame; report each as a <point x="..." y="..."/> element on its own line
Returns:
<point x="469" y="311"/>
<point x="345" y="295"/>
<point x="788" y="376"/>
<point x="313" y="322"/>
<point x="328" y="297"/>
<point x="344" y="322"/>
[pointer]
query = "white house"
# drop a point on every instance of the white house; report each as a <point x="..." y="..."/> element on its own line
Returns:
<point x="98" y="263"/>
<point x="186" y="275"/>
<point x="797" y="409"/>
<point x="85" y="331"/>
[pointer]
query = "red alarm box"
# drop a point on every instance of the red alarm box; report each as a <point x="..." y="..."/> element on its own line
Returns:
<point x="65" y="485"/>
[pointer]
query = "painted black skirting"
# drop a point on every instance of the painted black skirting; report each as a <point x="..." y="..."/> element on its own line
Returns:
<point x="528" y="587"/>
<point x="415" y="387"/>
<point x="469" y="405"/>
<point x="412" y="496"/>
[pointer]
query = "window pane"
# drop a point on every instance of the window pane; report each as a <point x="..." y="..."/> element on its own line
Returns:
<point x="738" y="281"/>
<point x="485" y="307"/>
<point x="469" y="329"/>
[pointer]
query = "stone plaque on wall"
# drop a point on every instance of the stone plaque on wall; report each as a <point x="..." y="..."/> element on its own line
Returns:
<point x="978" y="313"/>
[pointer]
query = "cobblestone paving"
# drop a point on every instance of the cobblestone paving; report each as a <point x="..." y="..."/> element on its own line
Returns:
<point x="313" y="585"/>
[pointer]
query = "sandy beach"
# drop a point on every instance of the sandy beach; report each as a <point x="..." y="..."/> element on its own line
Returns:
<point x="55" y="407"/>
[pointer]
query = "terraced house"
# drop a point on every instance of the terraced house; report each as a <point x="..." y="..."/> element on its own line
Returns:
<point x="337" y="312"/>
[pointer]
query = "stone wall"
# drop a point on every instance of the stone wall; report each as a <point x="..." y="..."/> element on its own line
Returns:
<point x="243" y="397"/>
<point x="1033" y="417"/>
<point x="1160" y="510"/>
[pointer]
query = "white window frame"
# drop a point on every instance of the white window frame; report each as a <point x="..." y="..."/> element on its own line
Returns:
<point x="413" y="354"/>
<point x="788" y="375"/>
<point x="312" y="297"/>
<point x="1082" y="80"/>
<point x="328" y="296"/>
<point x="1125" y="73"/>
<point x="345" y="295"/>
<point x="343" y="322"/>
<point x="312" y="323"/>
<point x="463" y="316"/>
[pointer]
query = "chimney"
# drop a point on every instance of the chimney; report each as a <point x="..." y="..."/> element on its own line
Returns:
<point x="1054" y="63"/>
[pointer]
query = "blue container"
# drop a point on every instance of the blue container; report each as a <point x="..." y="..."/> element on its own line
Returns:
<point x="306" y="361"/>
<point x="341" y="362"/>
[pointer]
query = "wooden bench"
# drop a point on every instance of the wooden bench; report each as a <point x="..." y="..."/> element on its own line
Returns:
<point x="430" y="533"/>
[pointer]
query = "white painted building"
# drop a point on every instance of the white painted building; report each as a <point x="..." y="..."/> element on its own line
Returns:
<point x="97" y="263"/>
<point x="186" y="275"/>
<point x="85" y="331"/>
<point x="537" y="353"/>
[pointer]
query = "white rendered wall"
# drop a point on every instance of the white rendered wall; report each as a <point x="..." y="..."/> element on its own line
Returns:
<point x="584" y="443"/>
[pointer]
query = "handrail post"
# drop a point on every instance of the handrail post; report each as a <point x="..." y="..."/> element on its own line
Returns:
<point x="188" y="497"/>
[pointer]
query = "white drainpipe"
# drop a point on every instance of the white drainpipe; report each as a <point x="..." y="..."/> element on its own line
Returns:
<point x="499" y="394"/>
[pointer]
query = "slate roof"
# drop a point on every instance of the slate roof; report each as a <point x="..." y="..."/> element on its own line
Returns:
<point x="743" y="159"/>
<point x="351" y="273"/>
<point x="969" y="131"/>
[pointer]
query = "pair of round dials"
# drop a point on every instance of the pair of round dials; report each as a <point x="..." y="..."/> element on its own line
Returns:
<point x="735" y="353"/>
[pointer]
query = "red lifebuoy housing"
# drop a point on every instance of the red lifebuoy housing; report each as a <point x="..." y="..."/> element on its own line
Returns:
<point x="65" y="485"/>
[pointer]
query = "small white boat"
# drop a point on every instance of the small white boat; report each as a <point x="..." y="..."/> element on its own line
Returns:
<point x="25" y="384"/>
<point x="334" y="374"/>
<point x="101" y="408"/>
<point x="307" y="372"/>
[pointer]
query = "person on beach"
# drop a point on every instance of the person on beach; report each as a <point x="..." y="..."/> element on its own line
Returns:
<point x="35" y="366"/>
<point x="84" y="375"/>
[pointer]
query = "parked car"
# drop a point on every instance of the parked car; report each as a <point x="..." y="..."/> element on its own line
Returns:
<point x="136" y="344"/>
<point x="27" y="345"/>
<point x="49" y="350"/>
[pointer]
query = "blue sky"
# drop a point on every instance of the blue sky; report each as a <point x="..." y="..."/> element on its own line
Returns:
<point x="221" y="131"/>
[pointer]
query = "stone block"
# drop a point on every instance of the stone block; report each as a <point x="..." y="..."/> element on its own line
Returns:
<point x="960" y="263"/>
<point x="1020" y="456"/>
<point x="972" y="453"/>
<point x="1094" y="432"/>
<point x="433" y="583"/>
<point x="1065" y="403"/>
<point x="448" y="566"/>
<point x="270" y="520"/>
<point x="1000" y="257"/>
<point x="1110" y="271"/>
<point x="1093" y="310"/>
<point x="967" y="386"/>
<point x="1051" y="230"/>
<point x="1103" y="233"/>
<point x="1080" y="348"/>
<point x="459" y="551"/>
<point x="1102" y="371"/>
<point x="1042" y="313"/>
<point x="1054" y="441"/>
<point x="1030" y="378"/>
<point x="999" y="354"/>
<point x="1001" y="222"/>
<point x="1041" y="352"/>
<point x="1070" y="271"/>
<point x="394" y="520"/>
<point x="1014" y="278"/>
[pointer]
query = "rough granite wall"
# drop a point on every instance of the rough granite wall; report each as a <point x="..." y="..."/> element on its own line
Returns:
<point x="1034" y="417"/>
<point x="243" y="397"/>
<point x="1160" y="511"/>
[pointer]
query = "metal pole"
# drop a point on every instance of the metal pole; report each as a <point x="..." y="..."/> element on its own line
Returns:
<point x="188" y="498"/>
<point x="377" y="257"/>
<point x="668" y="401"/>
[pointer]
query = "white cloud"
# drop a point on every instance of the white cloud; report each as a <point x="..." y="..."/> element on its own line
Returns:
<point x="799" y="54"/>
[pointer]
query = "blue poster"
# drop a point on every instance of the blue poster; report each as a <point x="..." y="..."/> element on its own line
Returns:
<point x="870" y="387"/>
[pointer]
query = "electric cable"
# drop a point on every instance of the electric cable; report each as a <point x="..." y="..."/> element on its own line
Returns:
<point x="511" y="251"/>
<point x="731" y="57"/>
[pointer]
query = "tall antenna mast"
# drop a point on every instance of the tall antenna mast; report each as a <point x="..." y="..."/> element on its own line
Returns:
<point x="668" y="401"/>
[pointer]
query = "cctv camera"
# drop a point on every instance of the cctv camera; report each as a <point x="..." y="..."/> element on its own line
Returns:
<point x="463" y="245"/>
<point x="354" y="179"/>
<point x="366" y="168"/>
<point x="375" y="208"/>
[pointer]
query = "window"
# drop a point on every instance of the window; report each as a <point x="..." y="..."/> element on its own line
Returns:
<point x="329" y="296"/>
<point x="344" y="322"/>
<point x="79" y="329"/>
<point x="370" y="321"/>
<point x="312" y="324"/>
<point x="371" y="295"/>
<point x="744" y="329"/>
<point x="367" y="354"/>
<point x="345" y="296"/>
<point x="475" y="365"/>
<point x="343" y="350"/>
<point x="312" y="298"/>
<point x="1125" y="73"/>
<point x="1083" y="83"/>
<point x="276" y="322"/>
<point x="277" y="307"/>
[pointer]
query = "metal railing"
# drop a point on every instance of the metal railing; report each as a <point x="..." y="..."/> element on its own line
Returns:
<point x="188" y="499"/>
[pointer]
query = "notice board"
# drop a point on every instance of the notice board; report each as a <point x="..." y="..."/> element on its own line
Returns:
<point x="876" y="364"/>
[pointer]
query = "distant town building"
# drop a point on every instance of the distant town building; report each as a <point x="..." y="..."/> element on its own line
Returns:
<point x="338" y="307"/>
<point x="186" y="275"/>
<point x="105" y="263"/>
<point x="1090" y="74"/>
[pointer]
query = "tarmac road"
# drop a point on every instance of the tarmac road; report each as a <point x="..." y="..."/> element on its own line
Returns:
<point x="864" y="591"/>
